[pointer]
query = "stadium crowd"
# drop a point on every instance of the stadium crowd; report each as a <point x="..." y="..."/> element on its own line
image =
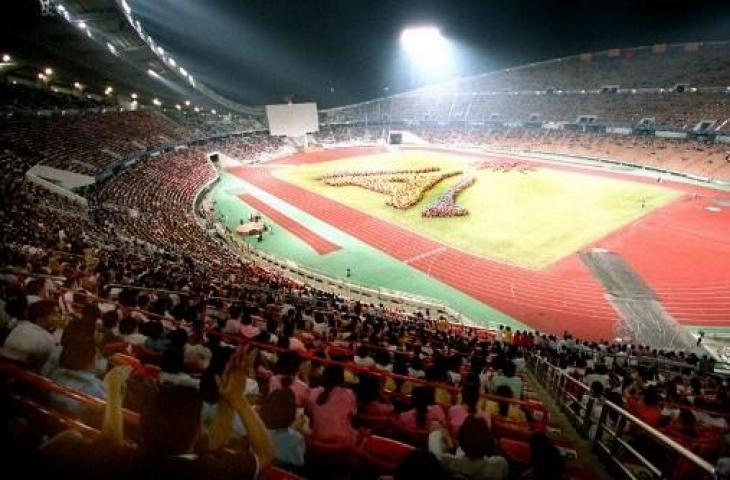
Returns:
<point x="203" y="364"/>
<point x="445" y="205"/>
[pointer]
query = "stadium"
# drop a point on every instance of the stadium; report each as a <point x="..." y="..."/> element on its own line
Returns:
<point x="517" y="274"/>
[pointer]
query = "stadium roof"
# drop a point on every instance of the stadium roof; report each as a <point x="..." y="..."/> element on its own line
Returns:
<point x="94" y="43"/>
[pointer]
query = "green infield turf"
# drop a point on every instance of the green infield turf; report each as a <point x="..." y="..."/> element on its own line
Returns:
<point x="530" y="219"/>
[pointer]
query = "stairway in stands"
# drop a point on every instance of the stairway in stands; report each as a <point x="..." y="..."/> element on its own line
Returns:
<point x="585" y="464"/>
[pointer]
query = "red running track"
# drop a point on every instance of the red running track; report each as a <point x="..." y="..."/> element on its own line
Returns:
<point x="520" y="293"/>
<point x="681" y="250"/>
<point x="320" y="244"/>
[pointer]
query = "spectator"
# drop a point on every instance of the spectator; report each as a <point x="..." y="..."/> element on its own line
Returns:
<point x="31" y="342"/>
<point x="332" y="407"/>
<point x="278" y="413"/>
<point x="508" y="379"/>
<point x="424" y="411"/>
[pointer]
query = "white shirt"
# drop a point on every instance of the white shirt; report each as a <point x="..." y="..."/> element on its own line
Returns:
<point x="364" y="361"/>
<point x="182" y="379"/>
<point x="28" y="342"/>
<point x="198" y="354"/>
<point x="134" y="338"/>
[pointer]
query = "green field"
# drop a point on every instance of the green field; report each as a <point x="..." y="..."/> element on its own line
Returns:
<point x="528" y="219"/>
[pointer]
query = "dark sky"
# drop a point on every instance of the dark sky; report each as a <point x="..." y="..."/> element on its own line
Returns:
<point x="259" y="51"/>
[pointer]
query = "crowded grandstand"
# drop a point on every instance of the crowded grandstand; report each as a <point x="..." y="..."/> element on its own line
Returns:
<point x="150" y="329"/>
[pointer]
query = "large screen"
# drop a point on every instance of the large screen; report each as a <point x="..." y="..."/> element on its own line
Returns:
<point x="292" y="119"/>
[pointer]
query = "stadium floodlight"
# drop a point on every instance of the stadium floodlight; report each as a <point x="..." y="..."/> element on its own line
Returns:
<point x="152" y="73"/>
<point x="48" y="71"/>
<point x="172" y="62"/>
<point x="134" y="96"/>
<point x="41" y="76"/>
<point x="108" y="91"/>
<point x="183" y="72"/>
<point x="111" y="48"/>
<point x="177" y="105"/>
<point x="78" y="86"/>
<point x="82" y="25"/>
<point x="426" y="47"/>
<point x="187" y="103"/>
<point x="156" y="101"/>
<point x="213" y="112"/>
<point x="197" y="109"/>
<point x="6" y="58"/>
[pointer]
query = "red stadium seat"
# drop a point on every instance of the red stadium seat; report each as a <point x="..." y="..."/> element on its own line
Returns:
<point x="515" y="450"/>
<point x="276" y="473"/>
<point x="381" y="454"/>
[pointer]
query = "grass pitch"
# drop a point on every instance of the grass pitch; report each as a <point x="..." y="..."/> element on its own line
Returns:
<point x="529" y="219"/>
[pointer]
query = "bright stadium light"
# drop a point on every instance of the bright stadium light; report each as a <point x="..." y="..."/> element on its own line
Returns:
<point x="6" y="58"/>
<point x="177" y="105"/>
<point x="152" y="73"/>
<point x="156" y="101"/>
<point x="134" y="96"/>
<point x="427" y="50"/>
<point x="187" y="103"/>
<point x="48" y="71"/>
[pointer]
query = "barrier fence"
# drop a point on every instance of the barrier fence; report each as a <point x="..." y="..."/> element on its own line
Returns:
<point x="634" y="449"/>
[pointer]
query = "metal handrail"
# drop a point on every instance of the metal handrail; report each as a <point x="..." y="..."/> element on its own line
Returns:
<point x="554" y="380"/>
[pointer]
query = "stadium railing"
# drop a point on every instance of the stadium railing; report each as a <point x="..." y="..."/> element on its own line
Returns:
<point x="634" y="448"/>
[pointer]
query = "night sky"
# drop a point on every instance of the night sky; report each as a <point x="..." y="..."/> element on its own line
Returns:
<point x="342" y="51"/>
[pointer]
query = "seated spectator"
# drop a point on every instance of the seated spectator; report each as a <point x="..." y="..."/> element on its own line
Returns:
<point x="362" y="357"/>
<point x="369" y="400"/>
<point x="599" y="374"/>
<point x="470" y="397"/>
<point x="424" y="411"/>
<point x="286" y="372"/>
<point x="332" y="407"/>
<point x="110" y="333"/>
<point x="508" y="378"/>
<point x="31" y="342"/>
<point x="383" y="361"/>
<point x="248" y="329"/>
<point x="128" y="332"/>
<point x="195" y="353"/>
<point x="278" y="412"/>
<point x="503" y="410"/>
<point x="172" y="364"/>
<point x="289" y="341"/>
<point x="170" y="427"/>
<point x="648" y="408"/>
<point x="153" y="330"/>
<point x="545" y="460"/>
<point x="77" y="366"/>
<point x="475" y="457"/>
<point x="419" y="464"/>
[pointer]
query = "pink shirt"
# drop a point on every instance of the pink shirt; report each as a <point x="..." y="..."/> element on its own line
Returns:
<point x="333" y="418"/>
<point x="378" y="409"/>
<point x="435" y="414"/>
<point x="297" y="345"/>
<point x="457" y="415"/>
<point x="300" y="389"/>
